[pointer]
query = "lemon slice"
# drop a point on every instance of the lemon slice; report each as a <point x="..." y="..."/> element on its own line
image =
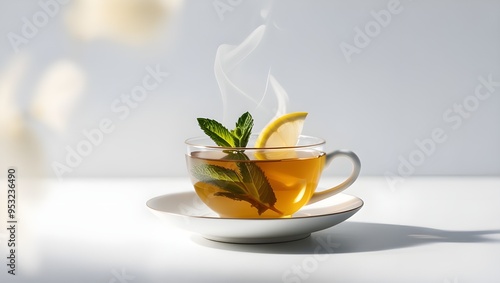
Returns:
<point x="282" y="131"/>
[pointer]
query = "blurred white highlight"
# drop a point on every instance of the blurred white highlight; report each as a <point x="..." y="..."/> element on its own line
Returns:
<point x="19" y="144"/>
<point x="10" y="115"/>
<point x="57" y="92"/>
<point x="48" y="113"/>
<point x="126" y="21"/>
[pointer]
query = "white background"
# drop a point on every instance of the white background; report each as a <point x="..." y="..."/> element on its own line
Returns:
<point x="394" y="91"/>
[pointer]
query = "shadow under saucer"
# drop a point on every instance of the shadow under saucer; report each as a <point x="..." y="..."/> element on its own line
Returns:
<point x="353" y="237"/>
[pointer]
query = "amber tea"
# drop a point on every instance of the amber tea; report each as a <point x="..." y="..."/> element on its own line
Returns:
<point x="256" y="184"/>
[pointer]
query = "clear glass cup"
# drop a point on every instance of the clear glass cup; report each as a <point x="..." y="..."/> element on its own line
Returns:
<point x="271" y="182"/>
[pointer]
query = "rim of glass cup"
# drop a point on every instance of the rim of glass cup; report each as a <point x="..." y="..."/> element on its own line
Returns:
<point x="193" y="143"/>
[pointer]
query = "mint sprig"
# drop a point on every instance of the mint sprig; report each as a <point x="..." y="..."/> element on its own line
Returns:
<point x="238" y="137"/>
<point x="248" y="183"/>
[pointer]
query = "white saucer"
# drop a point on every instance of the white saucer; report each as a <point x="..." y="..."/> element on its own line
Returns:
<point x="186" y="211"/>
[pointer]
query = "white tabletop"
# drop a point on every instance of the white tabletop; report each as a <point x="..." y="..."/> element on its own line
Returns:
<point x="100" y="230"/>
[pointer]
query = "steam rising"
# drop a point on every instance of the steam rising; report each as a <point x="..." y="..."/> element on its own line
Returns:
<point x="239" y="97"/>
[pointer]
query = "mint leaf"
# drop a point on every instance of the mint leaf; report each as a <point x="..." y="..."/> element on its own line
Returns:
<point x="206" y="172"/>
<point x="256" y="182"/>
<point x="219" y="176"/>
<point x="230" y="187"/>
<point x="217" y="132"/>
<point x="250" y="184"/>
<point x="243" y="130"/>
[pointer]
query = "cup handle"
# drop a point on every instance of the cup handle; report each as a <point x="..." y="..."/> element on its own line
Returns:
<point x="317" y="196"/>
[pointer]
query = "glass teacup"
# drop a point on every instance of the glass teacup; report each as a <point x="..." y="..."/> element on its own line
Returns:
<point x="272" y="182"/>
